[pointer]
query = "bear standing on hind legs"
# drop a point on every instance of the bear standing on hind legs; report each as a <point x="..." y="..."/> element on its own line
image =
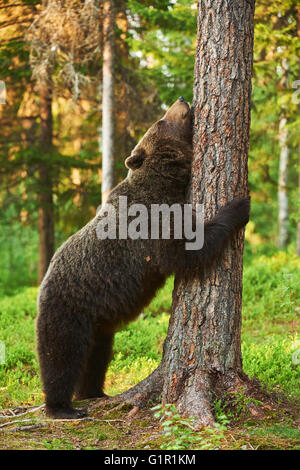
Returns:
<point x="93" y="285"/>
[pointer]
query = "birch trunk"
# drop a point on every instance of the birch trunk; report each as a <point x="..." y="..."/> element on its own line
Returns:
<point x="283" y="206"/>
<point x="45" y="196"/>
<point x="108" y="100"/>
<point x="283" y="203"/>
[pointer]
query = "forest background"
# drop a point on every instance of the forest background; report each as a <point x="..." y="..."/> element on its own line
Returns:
<point x="51" y="90"/>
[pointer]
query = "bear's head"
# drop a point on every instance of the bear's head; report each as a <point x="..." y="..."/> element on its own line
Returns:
<point x="167" y="146"/>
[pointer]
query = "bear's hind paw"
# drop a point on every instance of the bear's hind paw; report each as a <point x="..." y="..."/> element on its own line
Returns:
<point x="66" y="413"/>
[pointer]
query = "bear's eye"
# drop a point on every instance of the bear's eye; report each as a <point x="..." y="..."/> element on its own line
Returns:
<point x="162" y="121"/>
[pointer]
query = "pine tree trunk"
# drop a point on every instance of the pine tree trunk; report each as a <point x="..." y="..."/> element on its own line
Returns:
<point x="108" y="99"/>
<point x="45" y="196"/>
<point x="203" y="347"/>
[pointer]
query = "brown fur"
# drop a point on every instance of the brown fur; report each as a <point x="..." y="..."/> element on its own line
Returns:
<point x="92" y="286"/>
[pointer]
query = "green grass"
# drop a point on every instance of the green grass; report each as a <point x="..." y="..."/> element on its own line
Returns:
<point x="19" y="380"/>
<point x="271" y="321"/>
<point x="269" y="336"/>
<point x="278" y="430"/>
<point x="271" y="294"/>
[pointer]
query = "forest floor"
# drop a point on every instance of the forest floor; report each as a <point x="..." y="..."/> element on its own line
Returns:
<point x="271" y="352"/>
<point x="274" y="429"/>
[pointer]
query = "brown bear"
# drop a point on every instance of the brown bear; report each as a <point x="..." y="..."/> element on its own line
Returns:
<point x="93" y="285"/>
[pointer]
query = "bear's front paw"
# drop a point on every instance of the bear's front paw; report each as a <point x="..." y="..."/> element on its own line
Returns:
<point x="241" y="208"/>
<point x="237" y="211"/>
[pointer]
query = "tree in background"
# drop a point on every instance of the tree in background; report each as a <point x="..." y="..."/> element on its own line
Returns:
<point x="275" y="121"/>
<point x="165" y="41"/>
<point x="107" y="136"/>
<point x="19" y="124"/>
<point x="52" y="35"/>
<point x="45" y="194"/>
<point x="283" y="203"/>
<point x="155" y="47"/>
<point x="65" y="37"/>
<point x="298" y="225"/>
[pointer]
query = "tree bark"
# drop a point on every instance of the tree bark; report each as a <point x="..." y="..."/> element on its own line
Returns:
<point x="203" y="350"/>
<point x="108" y="99"/>
<point x="45" y="194"/>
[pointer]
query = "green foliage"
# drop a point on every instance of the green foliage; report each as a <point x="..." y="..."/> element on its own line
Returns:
<point x="19" y="379"/>
<point x="58" y="444"/>
<point x="166" y="44"/>
<point x="18" y="253"/>
<point x="183" y="434"/>
<point x="271" y="307"/>
<point x="272" y="363"/>
<point x="138" y="350"/>
<point x="283" y="431"/>
<point x="271" y="289"/>
<point x="270" y="311"/>
<point x="234" y="405"/>
<point x="276" y="43"/>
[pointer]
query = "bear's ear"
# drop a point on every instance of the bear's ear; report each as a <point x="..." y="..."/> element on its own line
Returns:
<point x="135" y="160"/>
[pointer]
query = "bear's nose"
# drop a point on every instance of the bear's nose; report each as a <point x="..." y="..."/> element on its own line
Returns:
<point x="181" y="99"/>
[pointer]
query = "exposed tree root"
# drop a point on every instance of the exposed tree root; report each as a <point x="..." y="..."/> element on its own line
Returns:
<point x="236" y="381"/>
<point x="234" y="388"/>
<point x="244" y="393"/>
<point x="192" y="397"/>
<point x="133" y="412"/>
<point x="196" y="397"/>
<point x="139" y="396"/>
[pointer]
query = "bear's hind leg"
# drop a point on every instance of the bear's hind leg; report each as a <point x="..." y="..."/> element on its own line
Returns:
<point x="62" y="353"/>
<point x="91" y="381"/>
